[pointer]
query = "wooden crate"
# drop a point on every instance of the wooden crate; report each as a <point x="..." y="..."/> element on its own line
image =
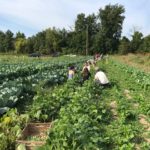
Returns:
<point x="33" y="129"/>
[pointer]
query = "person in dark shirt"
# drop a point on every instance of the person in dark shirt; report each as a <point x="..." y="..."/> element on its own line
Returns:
<point x="86" y="74"/>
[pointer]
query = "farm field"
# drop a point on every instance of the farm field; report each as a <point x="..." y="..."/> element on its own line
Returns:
<point x="140" y="61"/>
<point x="84" y="116"/>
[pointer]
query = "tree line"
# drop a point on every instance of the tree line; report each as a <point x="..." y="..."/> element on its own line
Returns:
<point x="99" y="32"/>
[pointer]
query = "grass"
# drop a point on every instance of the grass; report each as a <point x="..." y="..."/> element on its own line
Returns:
<point x="140" y="61"/>
<point x="124" y="98"/>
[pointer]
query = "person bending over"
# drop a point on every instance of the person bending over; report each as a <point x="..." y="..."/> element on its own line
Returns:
<point x="86" y="74"/>
<point x="101" y="78"/>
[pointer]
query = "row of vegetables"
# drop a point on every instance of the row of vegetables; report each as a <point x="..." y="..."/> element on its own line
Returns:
<point x="81" y="121"/>
<point x="83" y="118"/>
<point x="139" y="82"/>
<point x="139" y="76"/>
<point x="81" y="114"/>
<point x="13" y="122"/>
<point x="11" y="71"/>
<point x="128" y="100"/>
<point x="12" y="91"/>
<point x="18" y="83"/>
<point x="88" y="121"/>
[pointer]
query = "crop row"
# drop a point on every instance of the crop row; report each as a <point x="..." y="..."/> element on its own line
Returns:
<point x="139" y="76"/>
<point x="79" y="115"/>
<point x="128" y="99"/>
<point x="139" y="82"/>
<point x="23" y="69"/>
<point x="21" y="85"/>
<point x="45" y="107"/>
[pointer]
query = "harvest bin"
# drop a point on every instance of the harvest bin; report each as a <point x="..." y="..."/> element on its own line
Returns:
<point x="36" y="130"/>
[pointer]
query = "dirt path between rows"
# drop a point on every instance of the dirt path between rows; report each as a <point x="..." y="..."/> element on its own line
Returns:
<point x="113" y="106"/>
<point x="146" y="125"/>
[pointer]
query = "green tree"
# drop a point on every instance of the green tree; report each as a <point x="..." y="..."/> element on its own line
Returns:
<point x="92" y="24"/>
<point x="145" y="46"/>
<point x="70" y="43"/>
<point x="39" y="41"/>
<point x="2" y="43"/>
<point x="63" y="38"/>
<point x="8" y="41"/>
<point x="136" y="41"/>
<point x="83" y="36"/>
<point x="20" y="35"/>
<point x="110" y="27"/>
<point x="20" y="45"/>
<point x="29" y="48"/>
<point x="124" y="46"/>
<point x="52" y="40"/>
<point x="80" y="33"/>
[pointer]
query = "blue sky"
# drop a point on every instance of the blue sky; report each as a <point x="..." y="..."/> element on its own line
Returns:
<point x="32" y="16"/>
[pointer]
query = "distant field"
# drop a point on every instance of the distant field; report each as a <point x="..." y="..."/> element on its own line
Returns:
<point x="8" y="58"/>
<point x="138" y="61"/>
<point x="19" y="58"/>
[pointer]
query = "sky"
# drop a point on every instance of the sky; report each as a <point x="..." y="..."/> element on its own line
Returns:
<point x="33" y="16"/>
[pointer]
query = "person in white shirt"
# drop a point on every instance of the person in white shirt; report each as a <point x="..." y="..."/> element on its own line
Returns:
<point x="101" y="78"/>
